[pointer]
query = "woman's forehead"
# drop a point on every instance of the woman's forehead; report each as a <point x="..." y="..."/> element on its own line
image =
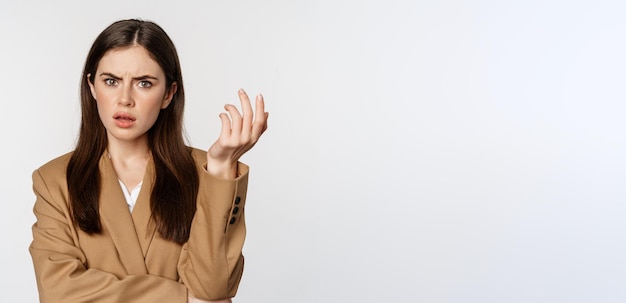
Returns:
<point x="134" y="60"/>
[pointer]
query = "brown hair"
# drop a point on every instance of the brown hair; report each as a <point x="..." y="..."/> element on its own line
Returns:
<point x="173" y="197"/>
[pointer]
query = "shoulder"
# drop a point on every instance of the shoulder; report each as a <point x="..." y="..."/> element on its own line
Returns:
<point x="51" y="177"/>
<point x="56" y="167"/>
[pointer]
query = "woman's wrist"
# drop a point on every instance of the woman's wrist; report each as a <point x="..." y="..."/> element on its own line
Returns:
<point x="192" y="299"/>
<point x="221" y="169"/>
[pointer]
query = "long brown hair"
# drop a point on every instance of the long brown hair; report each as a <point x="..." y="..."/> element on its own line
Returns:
<point x="175" y="188"/>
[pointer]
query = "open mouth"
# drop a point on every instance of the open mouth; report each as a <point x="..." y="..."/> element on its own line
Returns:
<point x="124" y="120"/>
<point x="124" y="117"/>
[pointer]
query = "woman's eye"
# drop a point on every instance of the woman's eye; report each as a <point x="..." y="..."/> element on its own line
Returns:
<point x="110" y="82"/>
<point x="145" y="84"/>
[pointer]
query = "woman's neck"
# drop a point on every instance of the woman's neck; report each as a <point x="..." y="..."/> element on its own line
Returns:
<point x="124" y="151"/>
<point x="129" y="160"/>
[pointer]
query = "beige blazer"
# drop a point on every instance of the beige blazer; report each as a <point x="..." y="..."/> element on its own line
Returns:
<point x="129" y="261"/>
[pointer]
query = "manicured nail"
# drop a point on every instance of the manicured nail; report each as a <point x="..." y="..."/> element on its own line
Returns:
<point x="241" y="91"/>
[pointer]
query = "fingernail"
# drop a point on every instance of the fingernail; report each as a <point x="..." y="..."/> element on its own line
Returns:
<point x="241" y="91"/>
<point x="260" y="98"/>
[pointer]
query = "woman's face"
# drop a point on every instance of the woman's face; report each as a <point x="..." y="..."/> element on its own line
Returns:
<point x="130" y="91"/>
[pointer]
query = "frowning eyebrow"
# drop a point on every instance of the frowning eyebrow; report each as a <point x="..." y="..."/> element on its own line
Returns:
<point x="144" y="77"/>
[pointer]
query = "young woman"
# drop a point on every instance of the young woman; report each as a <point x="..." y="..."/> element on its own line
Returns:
<point x="133" y="214"/>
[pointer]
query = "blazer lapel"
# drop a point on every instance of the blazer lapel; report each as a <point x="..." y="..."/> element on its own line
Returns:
<point x="142" y="214"/>
<point x="117" y="219"/>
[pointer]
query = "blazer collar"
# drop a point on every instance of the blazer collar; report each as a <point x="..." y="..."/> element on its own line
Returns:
<point x="142" y="214"/>
<point x="132" y="234"/>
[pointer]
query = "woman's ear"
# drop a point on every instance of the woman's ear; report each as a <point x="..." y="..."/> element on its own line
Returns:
<point x="91" y="87"/>
<point x="169" y="95"/>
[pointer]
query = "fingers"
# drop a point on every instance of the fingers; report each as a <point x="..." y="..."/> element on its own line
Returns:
<point x="245" y="127"/>
<point x="260" y="106"/>
<point x="240" y="130"/>
<point x="246" y="109"/>
<point x="260" y="121"/>
<point x="226" y="128"/>
<point x="236" y="119"/>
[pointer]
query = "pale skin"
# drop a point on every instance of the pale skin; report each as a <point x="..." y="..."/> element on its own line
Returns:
<point x="130" y="90"/>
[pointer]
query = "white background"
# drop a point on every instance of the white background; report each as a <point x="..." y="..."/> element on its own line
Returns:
<point x="418" y="151"/>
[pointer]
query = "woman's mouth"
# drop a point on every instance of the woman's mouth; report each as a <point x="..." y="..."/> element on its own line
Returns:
<point x="124" y="120"/>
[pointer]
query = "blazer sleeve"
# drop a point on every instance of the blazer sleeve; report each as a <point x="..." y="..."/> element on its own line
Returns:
<point x="211" y="262"/>
<point x="60" y="264"/>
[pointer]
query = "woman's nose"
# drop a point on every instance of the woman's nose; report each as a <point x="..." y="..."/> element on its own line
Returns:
<point x="126" y="96"/>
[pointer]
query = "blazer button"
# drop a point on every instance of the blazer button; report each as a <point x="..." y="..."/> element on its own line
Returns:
<point x="235" y="210"/>
<point x="237" y="200"/>
<point x="232" y="220"/>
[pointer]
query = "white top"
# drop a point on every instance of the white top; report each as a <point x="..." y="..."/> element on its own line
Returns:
<point x="131" y="196"/>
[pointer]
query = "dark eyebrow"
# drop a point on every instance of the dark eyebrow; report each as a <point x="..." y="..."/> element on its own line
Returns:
<point x="111" y="75"/>
<point x="144" y="77"/>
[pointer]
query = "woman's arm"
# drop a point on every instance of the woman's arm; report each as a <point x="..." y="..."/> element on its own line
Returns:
<point x="211" y="262"/>
<point x="61" y="267"/>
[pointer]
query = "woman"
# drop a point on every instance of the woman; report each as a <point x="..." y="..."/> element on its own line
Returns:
<point x="133" y="214"/>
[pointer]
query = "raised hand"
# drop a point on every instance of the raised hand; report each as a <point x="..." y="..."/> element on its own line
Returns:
<point x="240" y="132"/>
